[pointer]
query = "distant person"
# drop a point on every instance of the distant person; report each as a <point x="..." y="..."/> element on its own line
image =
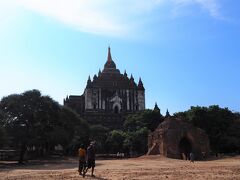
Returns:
<point x="82" y="159"/>
<point x="90" y="158"/>
<point x="191" y="157"/>
<point x="184" y="157"/>
<point x="204" y="155"/>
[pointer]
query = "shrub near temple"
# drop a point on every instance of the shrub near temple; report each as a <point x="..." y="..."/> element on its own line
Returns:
<point x="133" y="137"/>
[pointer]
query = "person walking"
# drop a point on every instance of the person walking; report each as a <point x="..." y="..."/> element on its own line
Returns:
<point x="192" y="157"/>
<point x="90" y="159"/>
<point x="82" y="159"/>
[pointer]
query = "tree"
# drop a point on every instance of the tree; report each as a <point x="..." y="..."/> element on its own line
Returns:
<point x="73" y="131"/>
<point x="148" y="118"/>
<point x="3" y="136"/>
<point x="45" y="120"/>
<point x="99" y="134"/>
<point x="136" y="141"/>
<point x="231" y="141"/>
<point x="15" y="122"/>
<point x="30" y="118"/>
<point x="38" y="122"/>
<point x="115" y="141"/>
<point x="137" y="127"/>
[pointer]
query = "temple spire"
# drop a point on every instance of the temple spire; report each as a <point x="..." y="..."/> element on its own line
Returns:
<point x="89" y="82"/>
<point x="125" y="73"/>
<point x="167" y="114"/>
<point x="109" y="59"/>
<point x="131" y="78"/>
<point x="140" y="84"/>
<point x="110" y="66"/>
<point x="156" y="108"/>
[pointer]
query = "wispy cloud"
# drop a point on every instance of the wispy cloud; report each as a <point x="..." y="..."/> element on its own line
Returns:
<point x="210" y="6"/>
<point x="110" y="17"/>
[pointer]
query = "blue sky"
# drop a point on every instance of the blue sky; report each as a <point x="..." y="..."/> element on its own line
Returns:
<point x="185" y="51"/>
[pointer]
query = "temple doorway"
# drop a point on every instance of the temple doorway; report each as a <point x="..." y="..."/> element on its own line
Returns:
<point x="185" y="148"/>
<point x="116" y="110"/>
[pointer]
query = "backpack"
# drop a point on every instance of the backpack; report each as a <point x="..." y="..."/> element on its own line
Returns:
<point x="82" y="152"/>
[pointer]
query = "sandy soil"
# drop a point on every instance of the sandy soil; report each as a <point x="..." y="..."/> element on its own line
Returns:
<point x="153" y="167"/>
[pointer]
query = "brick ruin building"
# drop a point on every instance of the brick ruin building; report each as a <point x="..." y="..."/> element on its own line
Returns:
<point x="109" y="97"/>
<point x="176" y="138"/>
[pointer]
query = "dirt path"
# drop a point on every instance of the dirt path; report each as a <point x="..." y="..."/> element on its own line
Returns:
<point x="153" y="167"/>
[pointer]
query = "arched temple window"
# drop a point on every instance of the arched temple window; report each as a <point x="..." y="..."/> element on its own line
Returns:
<point x="137" y="108"/>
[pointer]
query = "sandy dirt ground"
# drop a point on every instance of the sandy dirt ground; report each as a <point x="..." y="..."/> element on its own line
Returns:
<point x="149" y="168"/>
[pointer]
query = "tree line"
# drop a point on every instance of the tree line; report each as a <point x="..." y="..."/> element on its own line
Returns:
<point x="32" y="122"/>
